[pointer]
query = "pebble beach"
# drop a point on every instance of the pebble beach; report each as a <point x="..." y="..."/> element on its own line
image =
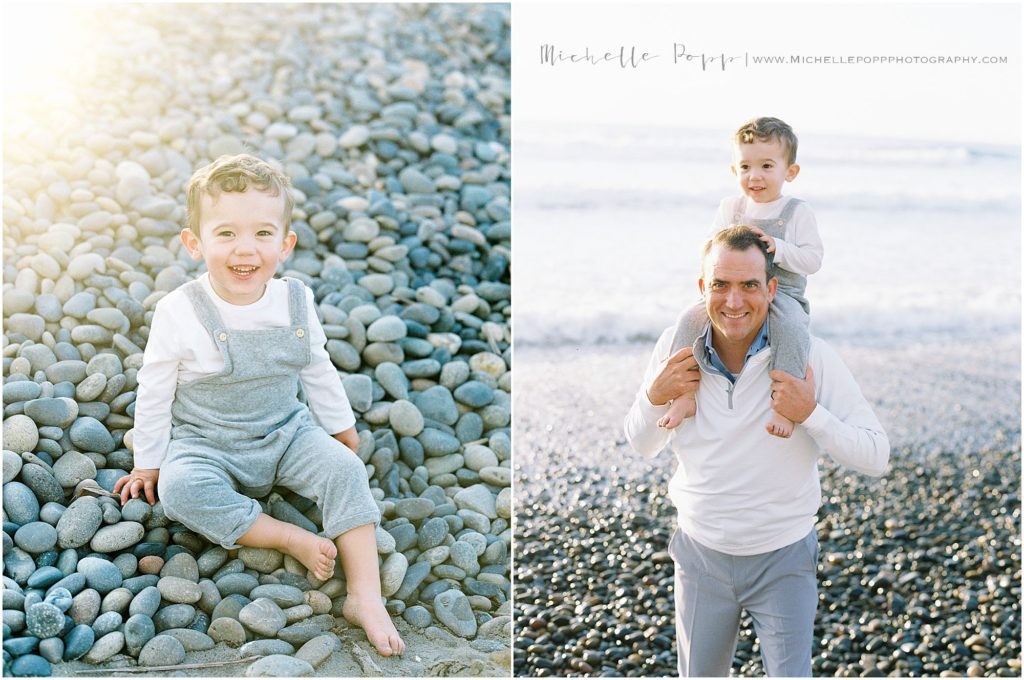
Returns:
<point x="393" y="122"/>
<point x="919" y="573"/>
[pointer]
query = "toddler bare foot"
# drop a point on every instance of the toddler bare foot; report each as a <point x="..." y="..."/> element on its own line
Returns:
<point x="680" y="410"/>
<point x="780" y="426"/>
<point x="315" y="552"/>
<point x="370" y="615"/>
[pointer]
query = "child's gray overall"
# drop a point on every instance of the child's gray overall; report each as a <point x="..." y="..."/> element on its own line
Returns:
<point x="787" y="316"/>
<point x="238" y="433"/>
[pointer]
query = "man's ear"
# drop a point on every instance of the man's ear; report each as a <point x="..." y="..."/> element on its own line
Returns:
<point x="773" y="286"/>
<point x="192" y="243"/>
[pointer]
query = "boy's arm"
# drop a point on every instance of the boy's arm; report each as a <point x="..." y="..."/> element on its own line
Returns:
<point x="803" y="251"/>
<point x="320" y="382"/>
<point x="158" y="380"/>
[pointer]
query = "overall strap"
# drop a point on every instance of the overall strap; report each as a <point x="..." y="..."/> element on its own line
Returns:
<point x="205" y="310"/>
<point x="787" y="212"/>
<point x="297" y="312"/>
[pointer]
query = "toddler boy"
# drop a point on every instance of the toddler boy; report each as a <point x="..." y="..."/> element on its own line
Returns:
<point x="764" y="154"/>
<point x="218" y="419"/>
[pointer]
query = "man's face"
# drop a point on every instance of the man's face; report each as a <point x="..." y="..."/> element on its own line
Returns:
<point x="762" y="167"/>
<point x="736" y="294"/>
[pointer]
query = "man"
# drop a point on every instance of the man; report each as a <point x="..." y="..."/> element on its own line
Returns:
<point x="746" y="500"/>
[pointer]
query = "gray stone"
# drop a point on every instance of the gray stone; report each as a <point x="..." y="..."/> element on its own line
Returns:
<point x="359" y="389"/>
<point x="20" y="503"/>
<point x="89" y="434"/>
<point x="183" y="566"/>
<point x="23" y="390"/>
<point x="392" y="573"/>
<point x="20" y="434"/>
<point x="35" y="537"/>
<point x="474" y="394"/>
<point x="44" y="620"/>
<point x="386" y="329"/>
<point x="452" y="608"/>
<point x="100" y="575"/>
<point x="437" y="443"/>
<point x="263" y="560"/>
<point x="405" y="419"/>
<point x="107" y="622"/>
<point x="414" y="509"/>
<point x="104" y="647"/>
<point x="146" y="602"/>
<point x="228" y="631"/>
<point x="319" y="649"/>
<point x="477" y="498"/>
<point x="72" y="468"/>
<point x="179" y="590"/>
<point x="279" y="666"/>
<point x="191" y="640"/>
<point x="265" y="648"/>
<point x="392" y="379"/>
<point x="415" y="182"/>
<point x="85" y="607"/>
<point x="432" y="533"/>
<point x="68" y="370"/>
<point x="139" y="629"/>
<point x="174" y="616"/>
<point x="437" y="404"/>
<point x="283" y="595"/>
<point x="417" y="616"/>
<point x="117" y="537"/>
<point x="162" y="650"/>
<point x="79" y="522"/>
<point x="54" y="412"/>
<point x="263" y="616"/>
<point x="78" y="642"/>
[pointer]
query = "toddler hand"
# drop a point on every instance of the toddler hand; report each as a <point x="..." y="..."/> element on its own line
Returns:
<point x="139" y="478"/>
<point x="768" y="240"/>
<point x="349" y="438"/>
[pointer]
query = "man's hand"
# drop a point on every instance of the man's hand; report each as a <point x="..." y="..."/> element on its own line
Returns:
<point x="139" y="478"/>
<point x="792" y="397"/>
<point x="349" y="438"/>
<point x="679" y="375"/>
<point x="768" y="240"/>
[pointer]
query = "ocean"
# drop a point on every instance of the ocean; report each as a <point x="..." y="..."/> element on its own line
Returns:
<point x="922" y="239"/>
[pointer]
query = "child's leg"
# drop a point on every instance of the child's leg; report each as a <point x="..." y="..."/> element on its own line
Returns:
<point x="682" y="408"/>
<point x="790" y="343"/>
<point x="318" y="467"/>
<point x="364" y="605"/>
<point x="689" y="327"/>
<point x="199" y="493"/>
<point x="315" y="552"/>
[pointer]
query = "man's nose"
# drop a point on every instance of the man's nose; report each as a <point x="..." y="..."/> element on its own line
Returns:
<point x="734" y="299"/>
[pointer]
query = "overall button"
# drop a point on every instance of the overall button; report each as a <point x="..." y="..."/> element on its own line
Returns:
<point x="223" y="337"/>
<point x="781" y="222"/>
<point x="300" y="332"/>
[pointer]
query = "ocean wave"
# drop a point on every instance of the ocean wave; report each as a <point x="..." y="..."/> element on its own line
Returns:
<point x="865" y="327"/>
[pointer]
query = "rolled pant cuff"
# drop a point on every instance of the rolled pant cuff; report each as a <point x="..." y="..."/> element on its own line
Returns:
<point x="230" y="542"/>
<point x="345" y="524"/>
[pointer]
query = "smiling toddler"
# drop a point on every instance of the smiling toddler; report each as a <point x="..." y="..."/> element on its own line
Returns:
<point x="764" y="159"/>
<point x="218" y="421"/>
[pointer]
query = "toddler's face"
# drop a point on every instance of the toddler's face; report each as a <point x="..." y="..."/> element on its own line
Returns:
<point x="762" y="168"/>
<point x="242" y="241"/>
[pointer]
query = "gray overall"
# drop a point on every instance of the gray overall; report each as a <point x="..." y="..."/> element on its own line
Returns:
<point x="788" y="315"/>
<point x="238" y="433"/>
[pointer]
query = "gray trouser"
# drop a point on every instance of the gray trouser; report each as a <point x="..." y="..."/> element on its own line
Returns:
<point x="778" y="589"/>
<point x="199" y="487"/>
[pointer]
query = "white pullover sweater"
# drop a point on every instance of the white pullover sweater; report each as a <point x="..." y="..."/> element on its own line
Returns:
<point x="738" y="489"/>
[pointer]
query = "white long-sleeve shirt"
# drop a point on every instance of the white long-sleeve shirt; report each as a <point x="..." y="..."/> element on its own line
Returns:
<point x="180" y="350"/>
<point x="738" y="489"/>
<point x="800" y="252"/>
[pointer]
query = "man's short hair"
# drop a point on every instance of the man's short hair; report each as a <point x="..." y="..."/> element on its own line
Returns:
<point x="236" y="173"/>
<point x="740" y="237"/>
<point x="767" y="129"/>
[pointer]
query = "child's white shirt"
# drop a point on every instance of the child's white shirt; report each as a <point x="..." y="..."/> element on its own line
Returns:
<point x="800" y="252"/>
<point x="180" y="350"/>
